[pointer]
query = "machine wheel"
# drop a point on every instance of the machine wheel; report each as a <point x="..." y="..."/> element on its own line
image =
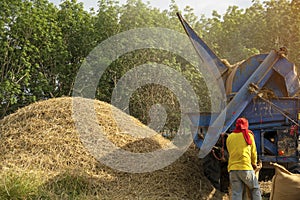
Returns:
<point x="224" y="179"/>
<point x="212" y="170"/>
<point x="295" y="168"/>
<point x="216" y="172"/>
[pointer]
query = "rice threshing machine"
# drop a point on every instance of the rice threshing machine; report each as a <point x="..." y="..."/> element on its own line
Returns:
<point x="262" y="89"/>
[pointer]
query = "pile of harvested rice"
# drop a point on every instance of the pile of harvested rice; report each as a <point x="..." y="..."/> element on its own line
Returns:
<point x="42" y="138"/>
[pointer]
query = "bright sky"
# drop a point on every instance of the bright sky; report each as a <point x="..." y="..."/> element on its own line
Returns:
<point x="200" y="6"/>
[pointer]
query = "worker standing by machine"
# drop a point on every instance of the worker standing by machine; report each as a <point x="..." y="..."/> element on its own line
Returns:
<point x="242" y="161"/>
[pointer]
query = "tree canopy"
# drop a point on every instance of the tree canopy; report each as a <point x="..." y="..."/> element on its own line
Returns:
<point x="42" y="46"/>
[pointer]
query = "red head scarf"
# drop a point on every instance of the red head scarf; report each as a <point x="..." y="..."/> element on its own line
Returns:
<point x="242" y="126"/>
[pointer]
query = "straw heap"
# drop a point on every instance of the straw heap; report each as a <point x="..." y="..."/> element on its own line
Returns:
<point x="42" y="138"/>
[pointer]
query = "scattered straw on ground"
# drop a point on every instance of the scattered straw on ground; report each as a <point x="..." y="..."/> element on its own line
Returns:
<point x="42" y="139"/>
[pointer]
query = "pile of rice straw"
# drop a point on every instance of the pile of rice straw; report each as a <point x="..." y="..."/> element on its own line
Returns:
<point x="42" y="138"/>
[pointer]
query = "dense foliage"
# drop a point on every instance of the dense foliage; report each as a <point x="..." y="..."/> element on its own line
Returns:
<point x="42" y="46"/>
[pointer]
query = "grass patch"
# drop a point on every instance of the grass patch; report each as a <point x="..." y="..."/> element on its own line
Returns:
<point x="68" y="186"/>
<point x="33" y="186"/>
<point x="14" y="186"/>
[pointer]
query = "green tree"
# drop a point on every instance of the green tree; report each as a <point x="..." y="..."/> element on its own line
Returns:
<point x="283" y="22"/>
<point x="79" y="37"/>
<point x="107" y="19"/>
<point x="228" y="36"/>
<point x="294" y="32"/>
<point x="30" y="41"/>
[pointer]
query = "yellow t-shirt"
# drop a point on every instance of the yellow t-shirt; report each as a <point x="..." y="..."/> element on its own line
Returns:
<point x="241" y="155"/>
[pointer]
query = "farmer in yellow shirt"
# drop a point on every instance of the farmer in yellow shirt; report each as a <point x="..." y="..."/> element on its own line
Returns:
<point x="242" y="161"/>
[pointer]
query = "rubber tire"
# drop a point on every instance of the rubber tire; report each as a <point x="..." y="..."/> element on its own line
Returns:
<point x="224" y="179"/>
<point x="212" y="170"/>
<point x="295" y="168"/>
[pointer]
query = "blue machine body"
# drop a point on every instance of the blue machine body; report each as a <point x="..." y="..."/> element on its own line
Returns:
<point x="263" y="89"/>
